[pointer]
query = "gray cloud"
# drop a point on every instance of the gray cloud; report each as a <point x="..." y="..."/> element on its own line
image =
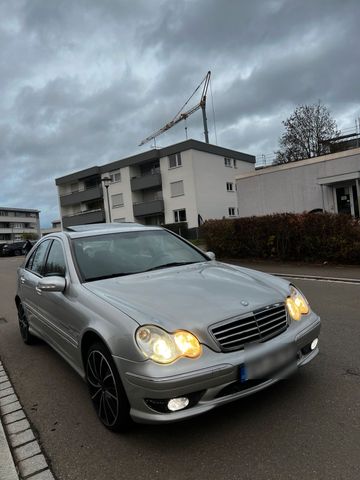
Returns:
<point x="83" y="82"/>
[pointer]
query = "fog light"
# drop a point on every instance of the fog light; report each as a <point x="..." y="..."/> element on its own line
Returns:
<point x="177" y="403"/>
<point x="314" y="344"/>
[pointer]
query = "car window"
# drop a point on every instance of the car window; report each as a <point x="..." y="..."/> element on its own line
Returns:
<point x="127" y="253"/>
<point x="55" y="263"/>
<point x="36" y="261"/>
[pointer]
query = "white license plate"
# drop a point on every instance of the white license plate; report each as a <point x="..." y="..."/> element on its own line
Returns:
<point x="264" y="366"/>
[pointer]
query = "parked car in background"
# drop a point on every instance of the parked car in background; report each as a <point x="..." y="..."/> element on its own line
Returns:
<point x="159" y="329"/>
<point x="13" y="249"/>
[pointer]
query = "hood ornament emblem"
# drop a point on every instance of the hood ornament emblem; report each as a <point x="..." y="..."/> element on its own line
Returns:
<point x="244" y="303"/>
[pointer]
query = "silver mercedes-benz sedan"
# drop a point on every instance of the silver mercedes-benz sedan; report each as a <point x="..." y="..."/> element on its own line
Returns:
<point x="159" y="329"/>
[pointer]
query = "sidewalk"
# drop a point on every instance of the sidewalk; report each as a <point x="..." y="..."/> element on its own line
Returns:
<point x="303" y="269"/>
<point x="20" y="446"/>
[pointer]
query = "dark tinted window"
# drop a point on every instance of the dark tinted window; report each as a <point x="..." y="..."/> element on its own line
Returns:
<point x="36" y="261"/>
<point x="55" y="263"/>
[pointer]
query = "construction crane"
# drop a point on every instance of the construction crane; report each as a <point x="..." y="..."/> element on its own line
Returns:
<point x="181" y="115"/>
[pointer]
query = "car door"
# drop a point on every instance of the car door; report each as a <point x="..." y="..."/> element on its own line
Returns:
<point x="29" y="278"/>
<point x="57" y="309"/>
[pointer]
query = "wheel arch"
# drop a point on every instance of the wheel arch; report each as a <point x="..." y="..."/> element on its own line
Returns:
<point x="89" y="338"/>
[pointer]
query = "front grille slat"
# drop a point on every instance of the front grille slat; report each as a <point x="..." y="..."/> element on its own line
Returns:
<point x="221" y="337"/>
<point x="264" y="324"/>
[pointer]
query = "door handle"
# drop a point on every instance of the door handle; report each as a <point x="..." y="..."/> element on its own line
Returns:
<point x="38" y="290"/>
<point x="22" y="280"/>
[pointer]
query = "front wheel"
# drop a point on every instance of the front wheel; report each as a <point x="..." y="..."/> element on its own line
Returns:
<point x="106" y="390"/>
<point x="27" y="337"/>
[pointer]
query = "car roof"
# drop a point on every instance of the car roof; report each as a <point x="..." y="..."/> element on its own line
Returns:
<point x="78" y="231"/>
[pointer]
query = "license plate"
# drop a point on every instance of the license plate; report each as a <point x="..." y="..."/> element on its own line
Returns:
<point x="265" y="366"/>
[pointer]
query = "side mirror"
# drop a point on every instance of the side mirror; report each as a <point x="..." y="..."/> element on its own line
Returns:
<point x="51" y="284"/>
<point x="211" y="255"/>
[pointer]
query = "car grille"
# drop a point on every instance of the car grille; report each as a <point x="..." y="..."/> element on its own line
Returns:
<point x="259" y="326"/>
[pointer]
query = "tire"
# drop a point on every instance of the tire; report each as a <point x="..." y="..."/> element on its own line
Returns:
<point x="106" y="390"/>
<point x="27" y="337"/>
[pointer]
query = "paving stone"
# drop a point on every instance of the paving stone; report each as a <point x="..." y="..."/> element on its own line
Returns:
<point x="3" y="379"/>
<point x="6" y="400"/>
<point x="3" y="374"/>
<point x="17" y="439"/>
<point x="45" y="475"/>
<point x="13" y="417"/>
<point x="5" y="385"/>
<point x="17" y="427"/>
<point x="6" y="392"/>
<point x="32" y="465"/>
<point x="26" y="451"/>
<point x="12" y="407"/>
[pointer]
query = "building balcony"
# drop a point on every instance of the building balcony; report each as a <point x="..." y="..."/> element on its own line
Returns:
<point x="84" y="218"/>
<point x="148" y="208"/>
<point x="81" y="196"/>
<point x="146" y="181"/>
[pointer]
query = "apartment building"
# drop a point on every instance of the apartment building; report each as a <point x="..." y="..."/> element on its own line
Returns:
<point x="14" y="222"/>
<point x="187" y="182"/>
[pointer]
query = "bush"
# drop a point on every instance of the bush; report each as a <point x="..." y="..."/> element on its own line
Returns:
<point x="286" y="236"/>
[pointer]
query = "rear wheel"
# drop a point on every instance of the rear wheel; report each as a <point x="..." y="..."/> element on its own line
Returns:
<point x="106" y="390"/>
<point x="27" y="337"/>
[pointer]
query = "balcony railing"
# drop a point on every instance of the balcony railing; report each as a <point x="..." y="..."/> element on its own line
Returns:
<point x="83" y="195"/>
<point x="148" y="208"/>
<point x="149" y="180"/>
<point x="84" y="218"/>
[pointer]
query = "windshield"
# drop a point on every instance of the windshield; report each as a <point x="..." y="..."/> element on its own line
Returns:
<point x="118" y="254"/>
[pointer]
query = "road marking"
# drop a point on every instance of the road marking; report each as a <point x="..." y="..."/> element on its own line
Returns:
<point x="318" y="278"/>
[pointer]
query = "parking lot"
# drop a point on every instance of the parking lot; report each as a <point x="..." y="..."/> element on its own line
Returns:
<point x="306" y="426"/>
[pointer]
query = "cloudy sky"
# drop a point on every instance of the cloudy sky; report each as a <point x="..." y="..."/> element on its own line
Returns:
<point x="82" y="82"/>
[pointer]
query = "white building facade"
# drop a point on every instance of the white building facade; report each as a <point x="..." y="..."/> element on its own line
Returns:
<point x="15" y="222"/>
<point x="330" y="183"/>
<point x="188" y="182"/>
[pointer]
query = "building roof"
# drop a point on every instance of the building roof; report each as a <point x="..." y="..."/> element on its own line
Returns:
<point x="13" y="209"/>
<point x="300" y="163"/>
<point x="155" y="154"/>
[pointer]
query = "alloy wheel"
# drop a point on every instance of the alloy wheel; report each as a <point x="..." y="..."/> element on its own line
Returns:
<point x="102" y="386"/>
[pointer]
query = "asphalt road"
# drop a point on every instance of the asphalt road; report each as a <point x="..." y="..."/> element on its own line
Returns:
<point x="305" y="427"/>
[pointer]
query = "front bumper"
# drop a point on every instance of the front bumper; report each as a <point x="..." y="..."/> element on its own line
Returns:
<point x="214" y="377"/>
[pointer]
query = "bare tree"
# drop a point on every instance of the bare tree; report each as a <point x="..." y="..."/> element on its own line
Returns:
<point x="305" y="132"/>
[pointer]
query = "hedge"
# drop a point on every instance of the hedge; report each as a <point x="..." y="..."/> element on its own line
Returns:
<point x="305" y="237"/>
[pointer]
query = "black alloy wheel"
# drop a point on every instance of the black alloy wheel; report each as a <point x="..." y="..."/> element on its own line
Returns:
<point x="27" y="337"/>
<point x="106" y="390"/>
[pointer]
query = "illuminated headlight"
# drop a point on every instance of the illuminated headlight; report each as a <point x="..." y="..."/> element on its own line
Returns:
<point x="297" y="304"/>
<point x="163" y="347"/>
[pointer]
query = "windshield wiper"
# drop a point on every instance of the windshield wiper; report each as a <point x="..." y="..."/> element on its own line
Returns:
<point x="112" y="275"/>
<point x="171" y="264"/>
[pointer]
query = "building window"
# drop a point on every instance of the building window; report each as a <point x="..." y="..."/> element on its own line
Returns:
<point x="17" y="225"/>
<point x="229" y="186"/>
<point x="177" y="188"/>
<point x="74" y="187"/>
<point x="175" y="160"/>
<point x="180" y="215"/>
<point x="227" y="162"/>
<point x="117" y="200"/>
<point x="115" y="177"/>
<point x="3" y="213"/>
<point x="231" y="212"/>
<point x="235" y="165"/>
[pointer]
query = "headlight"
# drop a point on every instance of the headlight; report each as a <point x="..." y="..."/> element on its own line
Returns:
<point x="164" y="347"/>
<point x="297" y="304"/>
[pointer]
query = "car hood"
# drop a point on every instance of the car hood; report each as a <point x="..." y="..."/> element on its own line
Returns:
<point x="191" y="297"/>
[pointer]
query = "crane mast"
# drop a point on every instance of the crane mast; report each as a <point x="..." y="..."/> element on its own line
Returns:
<point x="183" y="115"/>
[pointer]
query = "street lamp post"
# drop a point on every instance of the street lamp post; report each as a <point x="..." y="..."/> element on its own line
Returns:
<point x="107" y="181"/>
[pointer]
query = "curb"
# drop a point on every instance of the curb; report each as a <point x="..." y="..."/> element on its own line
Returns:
<point x="19" y="448"/>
